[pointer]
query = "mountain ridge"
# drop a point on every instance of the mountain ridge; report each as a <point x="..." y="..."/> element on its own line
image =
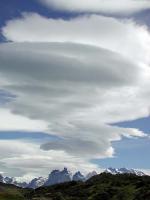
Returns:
<point x="104" y="186"/>
<point x="62" y="176"/>
<point x="124" y="171"/>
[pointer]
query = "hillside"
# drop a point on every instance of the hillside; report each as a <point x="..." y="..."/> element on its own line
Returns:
<point x="101" y="187"/>
<point x="11" y="192"/>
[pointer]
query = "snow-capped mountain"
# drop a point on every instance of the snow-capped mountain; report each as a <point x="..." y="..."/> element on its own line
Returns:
<point x="124" y="171"/>
<point x="78" y="177"/>
<point x="8" y="180"/>
<point x="58" y="176"/>
<point x="37" y="182"/>
<point x="11" y="180"/>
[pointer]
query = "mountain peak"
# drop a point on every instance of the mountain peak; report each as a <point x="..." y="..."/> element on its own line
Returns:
<point x="65" y="171"/>
<point x="124" y="170"/>
<point x="11" y="180"/>
<point x="57" y="176"/>
<point x="78" y="177"/>
<point x="37" y="182"/>
<point x="60" y="176"/>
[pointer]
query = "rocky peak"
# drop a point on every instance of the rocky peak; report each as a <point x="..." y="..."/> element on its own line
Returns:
<point x="78" y="177"/>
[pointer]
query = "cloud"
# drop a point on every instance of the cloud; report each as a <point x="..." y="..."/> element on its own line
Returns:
<point x="93" y="142"/>
<point x="10" y="121"/>
<point x="66" y="62"/>
<point x="72" y="93"/>
<point x="124" y="37"/>
<point x="98" y="6"/>
<point x="62" y="76"/>
<point x="26" y="159"/>
<point x="77" y="84"/>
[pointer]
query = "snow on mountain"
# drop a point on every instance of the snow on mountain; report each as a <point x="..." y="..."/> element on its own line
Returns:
<point x="20" y="184"/>
<point x="37" y="182"/>
<point x="78" y="177"/>
<point x="124" y="171"/>
<point x="57" y="176"/>
<point x="8" y="180"/>
<point x="11" y="180"/>
<point x="138" y="173"/>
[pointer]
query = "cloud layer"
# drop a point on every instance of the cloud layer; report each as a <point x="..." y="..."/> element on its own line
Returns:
<point x="25" y="160"/>
<point x="124" y="37"/>
<point x="98" y="6"/>
<point x="77" y="82"/>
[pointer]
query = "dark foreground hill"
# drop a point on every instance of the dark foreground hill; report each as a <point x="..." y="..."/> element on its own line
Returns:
<point x="101" y="187"/>
<point x="12" y="192"/>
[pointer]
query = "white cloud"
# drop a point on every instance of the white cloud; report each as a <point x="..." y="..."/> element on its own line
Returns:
<point x="34" y="162"/>
<point x="98" y="6"/>
<point x="75" y="96"/>
<point x="123" y="37"/>
<point x="77" y="82"/>
<point x="10" y="121"/>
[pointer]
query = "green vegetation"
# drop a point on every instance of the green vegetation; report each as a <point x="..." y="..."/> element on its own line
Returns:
<point x="11" y="192"/>
<point x="100" y="187"/>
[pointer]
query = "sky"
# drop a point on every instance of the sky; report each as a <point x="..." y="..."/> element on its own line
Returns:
<point x="74" y="86"/>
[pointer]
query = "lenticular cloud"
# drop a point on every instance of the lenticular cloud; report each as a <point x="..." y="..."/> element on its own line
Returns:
<point x="78" y="82"/>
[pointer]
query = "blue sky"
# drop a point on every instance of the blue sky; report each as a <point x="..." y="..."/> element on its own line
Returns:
<point x="63" y="111"/>
<point x="131" y="153"/>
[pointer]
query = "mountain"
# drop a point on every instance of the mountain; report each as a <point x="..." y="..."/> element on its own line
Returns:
<point x="20" y="184"/>
<point x="57" y="176"/>
<point x="124" y="171"/>
<point x="78" y="177"/>
<point x="12" y="181"/>
<point x="104" y="186"/>
<point x="8" y="180"/>
<point x="37" y="182"/>
<point x="1" y="178"/>
<point x="90" y="175"/>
